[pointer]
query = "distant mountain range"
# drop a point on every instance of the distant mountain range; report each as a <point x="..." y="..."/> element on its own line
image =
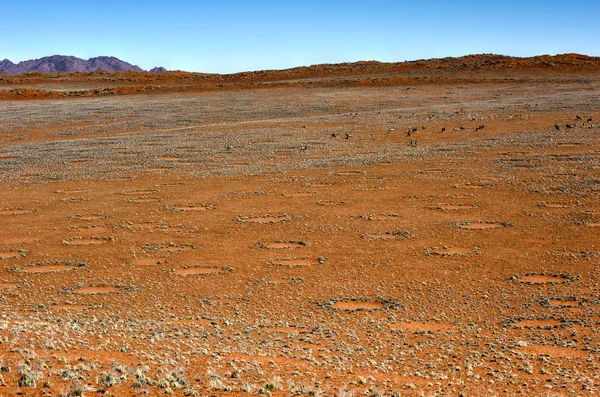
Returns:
<point x="62" y="63"/>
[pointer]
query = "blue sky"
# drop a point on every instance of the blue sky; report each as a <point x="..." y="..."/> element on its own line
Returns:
<point x="230" y="36"/>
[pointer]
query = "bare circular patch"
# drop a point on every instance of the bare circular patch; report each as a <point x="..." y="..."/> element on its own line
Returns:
<point x="300" y="194"/>
<point x="350" y="173"/>
<point x="18" y="240"/>
<point x="319" y="184"/>
<point x="12" y="254"/>
<point x="94" y="240"/>
<point x="381" y="217"/>
<point x="197" y="270"/>
<point x="569" y="302"/>
<point x="139" y="192"/>
<point x="90" y="217"/>
<point x="72" y="191"/>
<point x="453" y="207"/>
<point x="284" y="280"/>
<point x="554" y="351"/>
<point x="330" y="202"/>
<point x="557" y="303"/>
<point x="296" y="262"/>
<point x="47" y="268"/>
<point x="470" y="186"/>
<point x="170" y="248"/>
<point x="161" y="227"/>
<point x="50" y="266"/>
<point x="357" y="305"/>
<point x="554" y="205"/>
<point x="15" y="211"/>
<point x="483" y="225"/>
<point x="265" y="219"/>
<point x="94" y="229"/>
<point x="96" y="290"/>
<point x="142" y="200"/>
<point x="137" y="225"/>
<point x="451" y="251"/>
<point x="544" y="278"/>
<point x="284" y="245"/>
<point x="423" y="327"/>
<point x="541" y="323"/>
<point x="120" y="179"/>
<point x="190" y="207"/>
<point x="431" y="171"/>
<point x="395" y="235"/>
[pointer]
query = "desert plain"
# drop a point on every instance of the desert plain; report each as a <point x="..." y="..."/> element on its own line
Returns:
<point x="417" y="229"/>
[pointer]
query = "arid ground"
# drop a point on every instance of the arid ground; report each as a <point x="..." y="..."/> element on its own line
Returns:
<point x="368" y="231"/>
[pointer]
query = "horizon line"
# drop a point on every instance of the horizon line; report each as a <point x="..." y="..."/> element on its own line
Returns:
<point x="291" y="67"/>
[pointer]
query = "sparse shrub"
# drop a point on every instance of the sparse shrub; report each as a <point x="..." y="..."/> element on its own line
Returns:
<point x="67" y="374"/>
<point x="176" y="379"/>
<point x="120" y="369"/>
<point x="264" y="391"/>
<point x="305" y="390"/>
<point x="217" y="384"/>
<point x="376" y="393"/>
<point x="181" y="383"/>
<point x="108" y="379"/>
<point x="141" y="379"/>
<point x="77" y="389"/>
<point x="274" y="384"/>
<point x="29" y="377"/>
<point x="247" y="388"/>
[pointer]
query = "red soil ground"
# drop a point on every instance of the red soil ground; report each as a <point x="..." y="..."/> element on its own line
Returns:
<point x="281" y="235"/>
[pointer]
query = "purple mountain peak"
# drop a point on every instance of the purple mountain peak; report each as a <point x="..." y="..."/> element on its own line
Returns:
<point x="67" y="64"/>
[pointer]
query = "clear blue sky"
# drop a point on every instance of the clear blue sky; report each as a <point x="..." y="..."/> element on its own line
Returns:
<point x="229" y="36"/>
